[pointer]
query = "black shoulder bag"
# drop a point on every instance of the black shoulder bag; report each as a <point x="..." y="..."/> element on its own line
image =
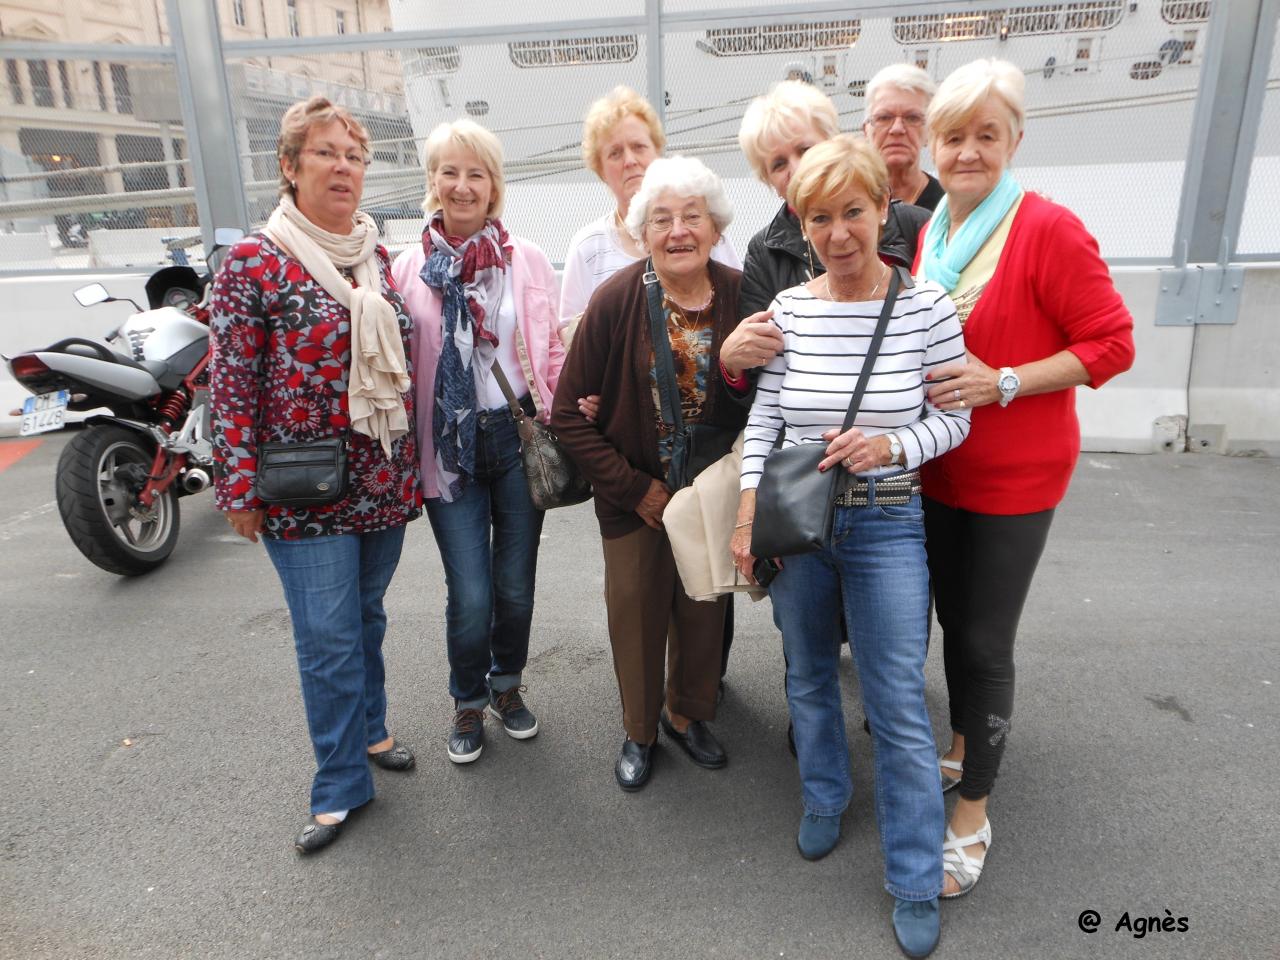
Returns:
<point x="695" y="446"/>
<point x="794" y="502"/>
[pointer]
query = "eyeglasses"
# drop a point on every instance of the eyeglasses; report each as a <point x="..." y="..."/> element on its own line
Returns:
<point x="884" y="121"/>
<point x="325" y="155"/>
<point x="663" y="222"/>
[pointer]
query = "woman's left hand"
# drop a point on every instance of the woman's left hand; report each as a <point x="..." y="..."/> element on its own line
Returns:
<point x="854" y="451"/>
<point x="961" y="385"/>
<point x="740" y="547"/>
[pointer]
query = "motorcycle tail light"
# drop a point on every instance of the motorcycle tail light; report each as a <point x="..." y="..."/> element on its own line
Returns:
<point x="28" y="367"/>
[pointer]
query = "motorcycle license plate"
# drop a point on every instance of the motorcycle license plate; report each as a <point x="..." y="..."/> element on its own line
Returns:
<point x="44" y="412"/>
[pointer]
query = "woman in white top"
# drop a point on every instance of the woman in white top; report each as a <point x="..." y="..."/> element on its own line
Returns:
<point x="872" y="567"/>
<point x="621" y="136"/>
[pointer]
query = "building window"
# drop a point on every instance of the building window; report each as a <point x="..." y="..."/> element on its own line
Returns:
<point x="15" y="82"/>
<point x="340" y="20"/>
<point x="68" y="93"/>
<point x="573" y="51"/>
<point x="120" y="84"/>
<point x="783" y="38"/>
<point x="99" y="87"/>
<point x="41" y="85"/>
<point x="294" y="29"/>
<point x="1185" y="11"/>
<point x="238" y="14"/>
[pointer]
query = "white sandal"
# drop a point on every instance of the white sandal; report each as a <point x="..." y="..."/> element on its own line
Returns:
<point x="957" y="863"/>
<point x="950" y="783"/>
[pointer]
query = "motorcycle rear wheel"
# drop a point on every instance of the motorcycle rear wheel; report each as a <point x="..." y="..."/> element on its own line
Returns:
<point x="97" y="498"/>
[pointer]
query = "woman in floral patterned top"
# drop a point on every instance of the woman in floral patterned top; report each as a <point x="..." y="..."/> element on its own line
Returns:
<point x="287" y="306"/>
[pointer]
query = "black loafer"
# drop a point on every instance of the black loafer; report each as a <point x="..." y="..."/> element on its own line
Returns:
<point x="698" y="742"/>
<point x="314" y="837"/>
<point x="634" y="765"/>
<point x="399" y="757"/>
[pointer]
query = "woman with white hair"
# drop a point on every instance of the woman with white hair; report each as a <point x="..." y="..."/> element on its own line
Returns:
<point x="1041" y="317"/>
<point x="677" y="217"/>
<point x="897" y="98"/>
<point x="483" y="304"/>
<point x="621" y="136"/>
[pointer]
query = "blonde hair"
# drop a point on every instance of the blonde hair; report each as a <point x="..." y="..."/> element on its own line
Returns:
<point x="785" y="113"/>
<point x="606" y="113"/>
<point x="297" y="123"/>
<point x="899" y="76"/>
<point x="685" y="177"/>
<point x="967" y="89"/>
<point x="835" y="165"/>
<point x="468" y="135"/>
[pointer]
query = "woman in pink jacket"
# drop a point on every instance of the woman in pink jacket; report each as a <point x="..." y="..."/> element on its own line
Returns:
<point x="481" y="301"/>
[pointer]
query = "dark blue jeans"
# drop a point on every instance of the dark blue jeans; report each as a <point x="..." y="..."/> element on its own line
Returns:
<point x="488" y="540"/>
<point x="334" y="587"/>
<point x="873" y="569"/>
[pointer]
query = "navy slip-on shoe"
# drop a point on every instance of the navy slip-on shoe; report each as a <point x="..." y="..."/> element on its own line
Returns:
<point x="917" y="925"/>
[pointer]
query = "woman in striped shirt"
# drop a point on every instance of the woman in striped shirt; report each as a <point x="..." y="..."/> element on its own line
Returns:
<point x="874" y="561"/>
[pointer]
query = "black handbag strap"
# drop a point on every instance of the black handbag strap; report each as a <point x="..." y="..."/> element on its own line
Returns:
<point x="890" y="298"/>
<point x="663" y="362"/>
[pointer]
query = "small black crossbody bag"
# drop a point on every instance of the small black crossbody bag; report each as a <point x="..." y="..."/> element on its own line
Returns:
<point x="312" y="473"/>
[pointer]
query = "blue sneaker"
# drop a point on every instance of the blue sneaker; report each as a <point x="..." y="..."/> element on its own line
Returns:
<point x="917" y="926"/>
<point x="818" y="835"/>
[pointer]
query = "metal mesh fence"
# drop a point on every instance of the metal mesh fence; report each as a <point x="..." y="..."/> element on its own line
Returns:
<point x="97" y="147"/>
<point x="1258" y="225"/>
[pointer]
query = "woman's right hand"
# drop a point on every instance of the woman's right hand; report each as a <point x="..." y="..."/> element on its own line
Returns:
<point x="753" y="343"/>
<point x="654" y="503"/>
<point x="247" y="523"/>
<point x="743" y="559"/>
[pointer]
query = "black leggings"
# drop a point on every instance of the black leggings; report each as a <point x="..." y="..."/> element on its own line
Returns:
<point x="981" y="567"/>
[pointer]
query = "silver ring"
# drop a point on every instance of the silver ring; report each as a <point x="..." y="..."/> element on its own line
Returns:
<point x="848" y="462"/>
<point x="957" y="394"/>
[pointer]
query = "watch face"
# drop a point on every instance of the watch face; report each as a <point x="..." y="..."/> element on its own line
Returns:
<point x="1008" y="383"/>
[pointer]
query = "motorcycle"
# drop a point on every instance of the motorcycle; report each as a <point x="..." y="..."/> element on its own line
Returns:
<point x="119" y="480"/>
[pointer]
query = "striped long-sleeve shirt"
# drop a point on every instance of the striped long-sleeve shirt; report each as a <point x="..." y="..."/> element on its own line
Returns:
<point x="808" y="386"/>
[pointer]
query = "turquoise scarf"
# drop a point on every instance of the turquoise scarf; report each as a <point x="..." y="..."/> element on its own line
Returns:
<point x="942" y="262"/>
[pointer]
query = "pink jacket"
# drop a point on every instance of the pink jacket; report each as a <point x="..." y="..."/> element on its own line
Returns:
<point x="536" y="294"/>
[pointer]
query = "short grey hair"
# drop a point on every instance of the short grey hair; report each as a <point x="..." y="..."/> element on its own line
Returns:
<point x="900" y="76"/>
<point x="685" y="177"/>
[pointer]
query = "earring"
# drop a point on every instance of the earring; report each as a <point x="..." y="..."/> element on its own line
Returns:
<point x="294" y="184"/>
<point x="884" y="221"/>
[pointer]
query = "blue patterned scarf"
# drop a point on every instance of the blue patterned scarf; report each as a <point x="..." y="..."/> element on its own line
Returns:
<point x="470" y="275"/>
<point x="943" y="262"/>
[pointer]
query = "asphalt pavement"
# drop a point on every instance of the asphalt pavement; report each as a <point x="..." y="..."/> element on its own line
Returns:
<point x="156" y="764"/>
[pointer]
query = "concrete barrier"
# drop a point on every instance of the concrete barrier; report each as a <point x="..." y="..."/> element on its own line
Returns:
<point x="140" y="247"/>
<point x="25" y="251"/>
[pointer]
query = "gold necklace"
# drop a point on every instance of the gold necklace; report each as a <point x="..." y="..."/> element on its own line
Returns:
<point x="884" y="272"/>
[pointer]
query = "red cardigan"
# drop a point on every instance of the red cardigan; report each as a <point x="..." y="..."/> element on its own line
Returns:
<point x="1051" y="291"/>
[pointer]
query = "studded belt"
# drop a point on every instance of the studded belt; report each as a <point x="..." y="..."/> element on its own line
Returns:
<point x="886" y="491"/>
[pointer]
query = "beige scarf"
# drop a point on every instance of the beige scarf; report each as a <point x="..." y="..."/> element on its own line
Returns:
<point x="379" y="375"/>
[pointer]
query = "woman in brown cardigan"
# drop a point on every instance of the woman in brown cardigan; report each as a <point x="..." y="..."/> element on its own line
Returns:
<point x="677" y="217"/>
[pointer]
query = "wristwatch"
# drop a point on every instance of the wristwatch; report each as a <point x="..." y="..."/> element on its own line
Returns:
<point x="1008" y="385"/>
<point x="895" y="448"/>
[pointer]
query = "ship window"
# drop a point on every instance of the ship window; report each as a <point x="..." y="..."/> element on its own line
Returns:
<point x="857" y="88"/>
<point x="477" y="108"/>
<point x="573" y="51"/>
<point x="1145" y="70"/>
<point x="1084" y="53"/>
<point x="1023" y="21"/>
<point x="783" y="38"/>
<point x="922" y="59"/>
<point x="1185" y="11"/>
<point x="427" y="61"/>
<point x="1188" y="46"/>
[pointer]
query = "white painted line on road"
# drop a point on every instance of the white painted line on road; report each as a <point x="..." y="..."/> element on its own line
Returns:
<point x="7" y="526"/>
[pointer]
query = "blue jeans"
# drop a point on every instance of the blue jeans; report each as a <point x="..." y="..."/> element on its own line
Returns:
<point x="875" y="561"/>
<point x="488" y="540"/>
<point x="334" y="587"/>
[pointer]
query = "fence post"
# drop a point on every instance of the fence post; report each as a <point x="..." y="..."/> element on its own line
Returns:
<point x="207" y="116"/>
<point x="653" y="58"/>
<point x="1233" y="82"/>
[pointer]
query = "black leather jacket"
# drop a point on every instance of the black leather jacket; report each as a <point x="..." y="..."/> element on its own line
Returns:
<point x="778" y="257"/>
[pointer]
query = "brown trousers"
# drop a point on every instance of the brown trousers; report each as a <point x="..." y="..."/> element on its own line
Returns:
<point x="651" y="620"/>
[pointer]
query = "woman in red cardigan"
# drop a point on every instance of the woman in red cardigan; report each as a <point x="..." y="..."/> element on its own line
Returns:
<point x="1041" y="317"/>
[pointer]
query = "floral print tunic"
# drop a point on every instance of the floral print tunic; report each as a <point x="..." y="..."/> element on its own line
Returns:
<point x="281" y="356"/>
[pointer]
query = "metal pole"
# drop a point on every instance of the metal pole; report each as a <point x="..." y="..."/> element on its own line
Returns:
<point x="1224" y="129"/>
<point x="207" y="116"/>
<point x="653" y="58"/>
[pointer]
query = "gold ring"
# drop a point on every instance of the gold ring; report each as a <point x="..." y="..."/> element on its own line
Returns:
<point x="848" y="462"/>
<point x="961" y="404"/>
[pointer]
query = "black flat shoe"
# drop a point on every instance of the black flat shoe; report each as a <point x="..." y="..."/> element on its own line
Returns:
<point x="399" y="757"/>
<point x="634" y="765"/>
<point x="698" y="742"/>
<point x="316" y="836"/>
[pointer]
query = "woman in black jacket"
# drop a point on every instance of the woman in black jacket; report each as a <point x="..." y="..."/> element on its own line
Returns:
<point x="777" y="129"/>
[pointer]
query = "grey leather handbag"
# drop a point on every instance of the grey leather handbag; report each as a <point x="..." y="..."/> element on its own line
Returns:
<point x="794" y="502"/>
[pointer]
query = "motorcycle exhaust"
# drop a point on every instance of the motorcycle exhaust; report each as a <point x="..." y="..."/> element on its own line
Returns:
<point x="195" y="480"/>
